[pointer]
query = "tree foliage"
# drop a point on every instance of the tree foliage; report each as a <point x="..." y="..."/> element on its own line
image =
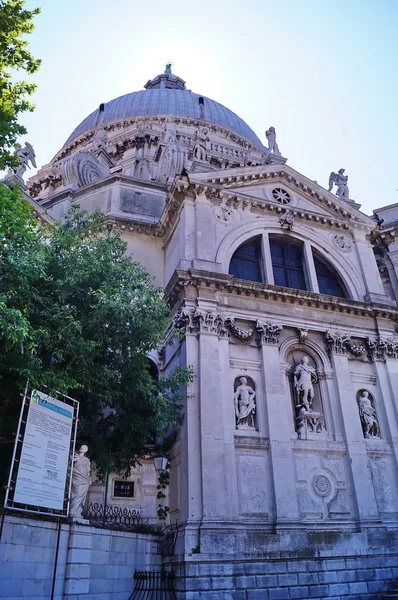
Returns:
<point x="15" y="22"/>
<point x="79" y="316"/>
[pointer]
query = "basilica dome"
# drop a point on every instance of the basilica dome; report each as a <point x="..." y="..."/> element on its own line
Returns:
<point x="166" y="95"/>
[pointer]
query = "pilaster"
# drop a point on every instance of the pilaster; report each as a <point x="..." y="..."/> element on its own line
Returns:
<point x="280" y="436"/>
<point x="356" y="448"/>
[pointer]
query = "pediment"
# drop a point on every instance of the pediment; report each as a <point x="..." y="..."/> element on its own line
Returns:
<point x="281" y="187"/>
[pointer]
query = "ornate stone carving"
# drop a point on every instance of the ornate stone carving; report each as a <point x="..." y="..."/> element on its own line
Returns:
<point x="82" y="168"/>
<point x="268" y="332"/>
<point x="339" y="343"/>
<point x="287" y="219"/>
<point x="223" y="214"/>
<point x="25" y="155"/>
<point x="273" y="147"/>
<point x="368" y="416"/>
<point x="340" y="180"/>
<point x="241" y="334"/>
<point x="342" y="242"/>
<point x="321" y="485"/>
<point x="245" y="406"/>
<point x="381" y="348"/>
<point x="81" y="481"/>
<point x="303" y="333"/>
<point x="194" y="320"/>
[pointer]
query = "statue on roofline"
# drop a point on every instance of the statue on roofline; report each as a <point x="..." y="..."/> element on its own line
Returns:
<point x="24" y="155"/>
<point x="273" y="147"/>
<point x="340" y="181"/>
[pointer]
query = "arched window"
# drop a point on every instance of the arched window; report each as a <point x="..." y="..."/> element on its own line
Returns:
<point x="246" y="261"/>
<point x="287" y="262"/>
<point x="329" y="281"/>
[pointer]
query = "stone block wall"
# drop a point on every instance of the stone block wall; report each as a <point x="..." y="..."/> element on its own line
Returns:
<point x="92" y="563"/>
<point x="350" y="567"/>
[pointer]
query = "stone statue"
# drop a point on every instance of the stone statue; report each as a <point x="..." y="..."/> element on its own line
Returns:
<point x="100" y="138"/>
<point x="173" y="160"/>
<point x="199" y="149"/>
<point x="81" y="481"/>
<point x="245" y="407"/>
<point x="339" y="180"/>
<point x="304" y="378"/>
<point x="273" y="147"/>
<point x="368" y="416"/>
<point x="25" y="155"/>
<point x="167" y="70"/>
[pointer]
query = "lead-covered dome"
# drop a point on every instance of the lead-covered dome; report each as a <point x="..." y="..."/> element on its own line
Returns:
<point x="166" y="95"/>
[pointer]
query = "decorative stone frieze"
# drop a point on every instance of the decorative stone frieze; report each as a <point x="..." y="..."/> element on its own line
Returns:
<point x="339" y="343"/>
<point x="381" y="348"/>
<point x="194" y="320"/>
<point x="268" y="332"/>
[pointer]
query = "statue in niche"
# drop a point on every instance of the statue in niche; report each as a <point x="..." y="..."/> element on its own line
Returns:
<point x="81" y="481"/>
<point x="245" y="406"/>
<point x="340" y="181"/>
<point x="304" y="378"/>
<point x="273" y="147"/>
<point x="199" y="149"/>
<point x="308" y="420"/>
<point x="368" y="416"/>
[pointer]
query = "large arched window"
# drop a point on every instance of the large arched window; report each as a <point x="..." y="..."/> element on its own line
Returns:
<point x="329" y="281"/>
<point x="287" y="262"/>
<point x="246" y="261"/>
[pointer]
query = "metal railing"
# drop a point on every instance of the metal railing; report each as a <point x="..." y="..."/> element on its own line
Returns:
<point x="113" y="517"/>
<point x="153" y="585"/>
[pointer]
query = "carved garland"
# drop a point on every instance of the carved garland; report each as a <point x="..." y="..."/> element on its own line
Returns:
<point x="195" y="320"/>
<point x="340" y="343"/>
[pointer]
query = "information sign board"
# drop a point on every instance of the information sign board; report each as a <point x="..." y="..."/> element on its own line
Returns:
<point x="43" y="463"/>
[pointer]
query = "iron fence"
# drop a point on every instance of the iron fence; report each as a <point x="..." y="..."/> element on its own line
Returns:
<point x="113" y="517"/>
<point x="153" y="585"/>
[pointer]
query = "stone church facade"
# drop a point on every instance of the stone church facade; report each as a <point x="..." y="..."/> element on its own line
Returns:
<point x="284" y="475"/>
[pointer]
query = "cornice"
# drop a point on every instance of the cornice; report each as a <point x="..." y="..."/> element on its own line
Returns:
<point x="229" y="285"/>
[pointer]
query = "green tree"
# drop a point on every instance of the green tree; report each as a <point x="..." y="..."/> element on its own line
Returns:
<point x="15" y="22"/>
<point x="81" y="317"/>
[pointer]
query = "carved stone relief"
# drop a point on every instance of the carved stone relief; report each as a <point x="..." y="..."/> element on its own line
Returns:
<point x="322" y="488"/>
<point x="287" y="219"/>
<point x="195" y="320"/>
<point x="223" y="214"/>
<point x="340" y="343"/>
<point x="244" y="402"/>
<point x="82" y="168"/>
<point x="367" y="413"/>
<point x="381" y="348"/>
<point x="342" y="242"/>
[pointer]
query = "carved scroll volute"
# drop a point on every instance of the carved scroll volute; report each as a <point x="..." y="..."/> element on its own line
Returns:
<point x="268" y="332"/>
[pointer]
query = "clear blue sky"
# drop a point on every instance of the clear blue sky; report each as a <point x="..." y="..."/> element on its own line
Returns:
<point x="323" y="72"/>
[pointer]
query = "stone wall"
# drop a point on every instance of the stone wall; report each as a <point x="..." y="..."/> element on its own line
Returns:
<point x="92" y="563"/>
<point x="318" y="565"/>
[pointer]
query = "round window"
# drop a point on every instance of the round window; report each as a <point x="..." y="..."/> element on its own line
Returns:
<point x="281" y="195"/>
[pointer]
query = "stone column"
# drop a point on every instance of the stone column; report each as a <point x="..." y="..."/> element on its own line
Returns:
<point x="362" y="484"/>
<point x="205" y="227"/>
<point x="387" y="378"/>
<point x="281" y="433"/>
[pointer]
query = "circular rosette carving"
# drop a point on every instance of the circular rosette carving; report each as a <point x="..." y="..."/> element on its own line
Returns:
<point x="223" y="214"/>
<point x="342" y="242"/>
<point x="321" y="485"/>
